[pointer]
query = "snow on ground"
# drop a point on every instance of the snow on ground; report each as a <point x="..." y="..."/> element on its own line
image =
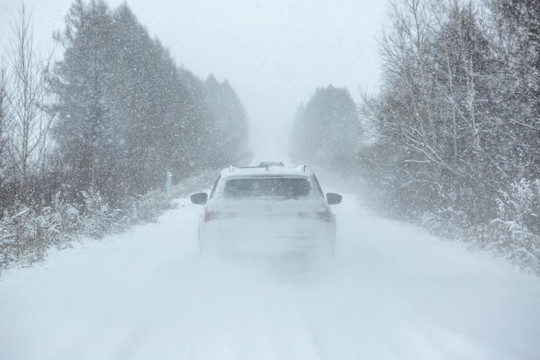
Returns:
<point x="393" y="293"/>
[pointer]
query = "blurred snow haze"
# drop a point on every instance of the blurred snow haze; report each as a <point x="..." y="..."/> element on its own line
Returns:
<point x="98" y="261"/>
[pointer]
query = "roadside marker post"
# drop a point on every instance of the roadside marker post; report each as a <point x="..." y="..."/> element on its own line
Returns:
<point x="169" y="183"/>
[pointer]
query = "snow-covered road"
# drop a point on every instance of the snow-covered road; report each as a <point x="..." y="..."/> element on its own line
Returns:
<point x="393" y="293"/>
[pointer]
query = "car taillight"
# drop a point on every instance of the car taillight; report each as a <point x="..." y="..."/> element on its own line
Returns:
<point x="325" y="215"/>
<point x="210" y="215"/>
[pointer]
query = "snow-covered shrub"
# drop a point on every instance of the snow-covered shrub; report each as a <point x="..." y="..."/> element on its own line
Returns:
<point x="22" y="239"/>
<point x="522" y="204"/>
<point x="97" y="218"/>
<point x="27" y="232"/>
<point x="67" y="221"/>
<point x="149" y="206"/>
<point x="8" y="243"/>
<point x="515" y="232"/>
<point x="448" y="223"/>
<point x="46" y="231"/>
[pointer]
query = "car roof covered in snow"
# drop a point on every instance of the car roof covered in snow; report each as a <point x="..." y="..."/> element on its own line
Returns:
<point x="256" y="171"/>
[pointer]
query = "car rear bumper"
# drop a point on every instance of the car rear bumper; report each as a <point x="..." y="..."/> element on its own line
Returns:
<point x="268" y="235"/>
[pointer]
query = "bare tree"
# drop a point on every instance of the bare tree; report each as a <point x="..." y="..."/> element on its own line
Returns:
<point x="27" y="122"/>
<point x="2" y="116"/>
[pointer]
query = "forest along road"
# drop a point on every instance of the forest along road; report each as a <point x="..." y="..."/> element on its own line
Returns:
<point x="393" y="293"/>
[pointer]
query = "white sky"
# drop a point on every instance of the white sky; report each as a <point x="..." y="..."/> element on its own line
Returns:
<point x="274" y="52"/>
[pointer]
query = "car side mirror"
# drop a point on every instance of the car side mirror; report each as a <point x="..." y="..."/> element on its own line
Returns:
<point x="333" y="199"/>
<point x="199" y="198"/>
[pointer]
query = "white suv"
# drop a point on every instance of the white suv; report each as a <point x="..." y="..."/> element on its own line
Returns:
<point x="268" y="207"/>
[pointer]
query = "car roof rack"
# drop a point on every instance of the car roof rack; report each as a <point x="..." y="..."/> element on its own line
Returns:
<point x="270" y="163"/>
<point x="262" y="164"/>
<point x="278" y="169"/>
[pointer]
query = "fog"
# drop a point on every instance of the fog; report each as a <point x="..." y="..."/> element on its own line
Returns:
<point x="391" y="290"/>
<point x="274" y="53"/>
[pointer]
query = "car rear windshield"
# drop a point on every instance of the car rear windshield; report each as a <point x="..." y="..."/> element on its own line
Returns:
<point x="281" y="188"/>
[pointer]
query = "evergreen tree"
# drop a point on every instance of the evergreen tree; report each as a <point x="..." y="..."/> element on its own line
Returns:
<point x="230" y="121"/>
<point x="84" y="130"/>
<point x="327" y="130"/>
<point x="127" y="114"/>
